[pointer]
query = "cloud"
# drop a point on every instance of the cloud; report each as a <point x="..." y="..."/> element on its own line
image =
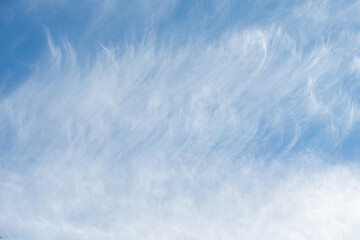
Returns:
<point x="241" y="135"/>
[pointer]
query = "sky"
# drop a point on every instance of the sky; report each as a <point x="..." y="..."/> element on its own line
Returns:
<point x="179" y="119"/>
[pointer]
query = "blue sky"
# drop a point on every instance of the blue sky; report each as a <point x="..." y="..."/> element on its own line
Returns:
<point x="179" y="119"/>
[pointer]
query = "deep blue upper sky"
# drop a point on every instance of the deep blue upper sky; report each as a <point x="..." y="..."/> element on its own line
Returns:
<point x="23" y="25"/>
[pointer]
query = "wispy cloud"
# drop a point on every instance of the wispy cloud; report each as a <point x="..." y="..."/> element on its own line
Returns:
<point x="242" y="133"/>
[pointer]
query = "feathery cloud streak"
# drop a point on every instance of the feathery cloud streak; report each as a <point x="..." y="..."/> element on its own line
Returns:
<point x="185" y="121"/>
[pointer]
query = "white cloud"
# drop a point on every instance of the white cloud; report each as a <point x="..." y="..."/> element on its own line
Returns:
<point x="222" y="139"/>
